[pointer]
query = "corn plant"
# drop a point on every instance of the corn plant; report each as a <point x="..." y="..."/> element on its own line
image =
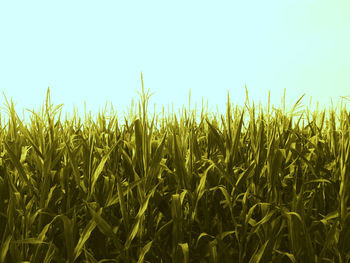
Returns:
<point x="252" y="185"/>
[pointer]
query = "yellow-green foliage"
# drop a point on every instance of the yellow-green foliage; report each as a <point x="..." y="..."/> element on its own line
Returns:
<point x="252" y="186"/>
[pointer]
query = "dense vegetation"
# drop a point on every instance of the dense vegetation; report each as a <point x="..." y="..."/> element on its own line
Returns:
<point x="251" y="186"/>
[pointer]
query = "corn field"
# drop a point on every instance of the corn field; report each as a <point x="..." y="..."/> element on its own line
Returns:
<point x="254" y="185"/>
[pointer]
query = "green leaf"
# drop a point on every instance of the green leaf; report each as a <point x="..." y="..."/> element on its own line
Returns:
<point x="144" y="251"/>
<point x="83" y="238"/>
<point x="5" y="247"/>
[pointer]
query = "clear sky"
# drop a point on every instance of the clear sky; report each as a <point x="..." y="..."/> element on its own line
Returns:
<point x="95" y="51"/>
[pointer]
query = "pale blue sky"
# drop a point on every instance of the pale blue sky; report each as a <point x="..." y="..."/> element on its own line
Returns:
<point x="95" y="51"/>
